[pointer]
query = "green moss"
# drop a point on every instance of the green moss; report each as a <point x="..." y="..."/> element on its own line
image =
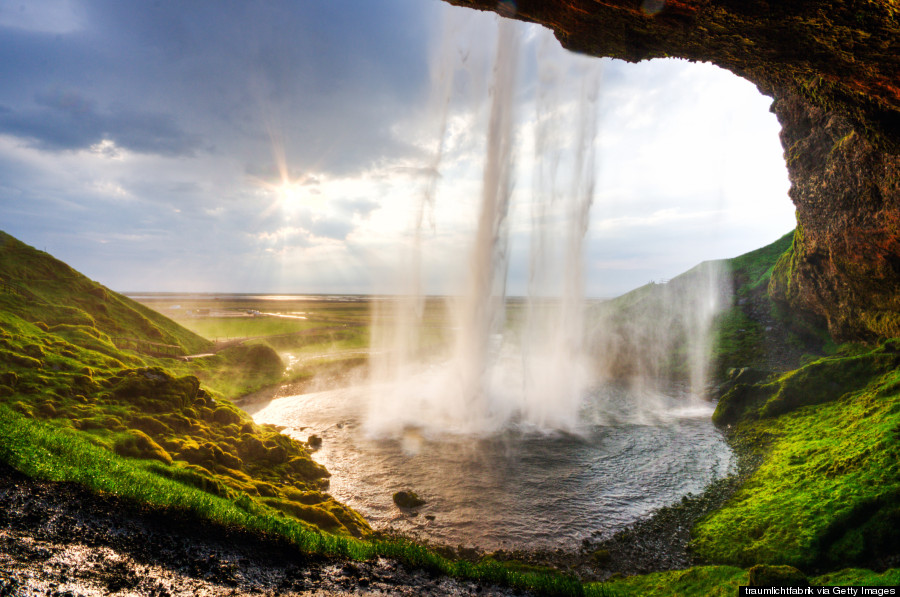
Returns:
<point x="822" y="380"/>
<point x="776" y="576"/>
<point x="828" y="487"/>
<point x="712" y="581"/>
<point x="781" y="286"/>
<point x="137" y="444"/>
<point x="314" y="515"/>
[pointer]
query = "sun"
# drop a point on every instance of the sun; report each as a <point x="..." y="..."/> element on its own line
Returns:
<point x="290" y="196"/>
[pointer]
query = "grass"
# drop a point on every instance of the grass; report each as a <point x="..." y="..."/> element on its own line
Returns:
<point x="53" y="293"/>
<point x="723" y="581"/>
<point x="246" y="327"/>
<point x="827" y="491"/>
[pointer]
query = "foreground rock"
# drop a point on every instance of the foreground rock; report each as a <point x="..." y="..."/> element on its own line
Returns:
<point x="60" y="540"/>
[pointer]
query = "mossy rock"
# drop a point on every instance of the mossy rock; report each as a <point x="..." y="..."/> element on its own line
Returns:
<point x="47" y="410"/>
<point x="600" y="557"/>
<point x="9" y="378"/>
<point x="150" y="425"/>
<point x="251" y="448"/>
<point x="226" y="416"/>
<point x="408" y="500"/>
<point x="35" y="351"/>
<point x="307" y="468"/>
<point x="276" y="455"/>
<point x="316" y="516"/>
<point x="195" y="453"/>
<point x="226" y="458"/>
<point x="776" y="576"/>
<point x="138" y="444"/>
<point x="259" y="358"/>
<point x="266" y="489"/>
<point x="23" y="408"/>
<point x="310" y="498"/>
<point x="193" y="476"/>
<point x="352" y="521"/>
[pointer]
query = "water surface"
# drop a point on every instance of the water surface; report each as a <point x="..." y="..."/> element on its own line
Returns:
<point x="520" y="489"/>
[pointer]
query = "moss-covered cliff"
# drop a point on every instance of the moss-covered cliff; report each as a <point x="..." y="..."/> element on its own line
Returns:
<point x="833" y="68"/>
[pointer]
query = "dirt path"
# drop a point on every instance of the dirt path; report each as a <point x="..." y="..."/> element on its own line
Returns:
<point x="60" y="540"/>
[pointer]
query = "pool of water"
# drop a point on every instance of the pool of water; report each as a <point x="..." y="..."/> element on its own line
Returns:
<point x="522" y="488"/>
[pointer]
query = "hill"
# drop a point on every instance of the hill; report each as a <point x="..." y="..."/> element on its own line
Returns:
<point x="719" y="313"/>
<point x="41" y="289"/>
<point x="77" y="403"/>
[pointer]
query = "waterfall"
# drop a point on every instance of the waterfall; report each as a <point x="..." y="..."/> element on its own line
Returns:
<point x="554" y="352"/>
<point x="477" y="367"/>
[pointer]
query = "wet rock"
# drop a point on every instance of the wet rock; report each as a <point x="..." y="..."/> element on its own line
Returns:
<point x="408" y="499"/>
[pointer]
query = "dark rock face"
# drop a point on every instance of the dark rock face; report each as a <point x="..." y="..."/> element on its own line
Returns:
<point x="845" y="261"/>
<point x="833" y="68"/>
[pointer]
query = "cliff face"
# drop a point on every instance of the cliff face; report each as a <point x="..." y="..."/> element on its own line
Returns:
<point x="833" y="68"/>
<point x="845" y="261"/>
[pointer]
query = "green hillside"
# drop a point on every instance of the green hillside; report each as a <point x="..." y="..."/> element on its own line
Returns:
<point x="77" y="405"/>
<point x="749" y="330"/>
<point x="39" y="288"/>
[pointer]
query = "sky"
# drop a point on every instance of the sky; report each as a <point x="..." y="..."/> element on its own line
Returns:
<point x="286" y="146"/>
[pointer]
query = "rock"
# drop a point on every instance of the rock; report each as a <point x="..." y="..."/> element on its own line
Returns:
<point x="408" y="500"/>
<point x="744" y="375"/>
<point x="776" y="576"/>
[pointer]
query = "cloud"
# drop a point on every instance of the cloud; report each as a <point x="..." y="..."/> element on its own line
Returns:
<point x="330" y="78"/>
<point x="285" y="145"/>
<point x="66" y="120"/>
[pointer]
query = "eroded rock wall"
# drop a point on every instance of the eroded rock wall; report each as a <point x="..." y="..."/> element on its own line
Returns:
<point x="845" y="262"/>
<point x="833" y="68"/>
